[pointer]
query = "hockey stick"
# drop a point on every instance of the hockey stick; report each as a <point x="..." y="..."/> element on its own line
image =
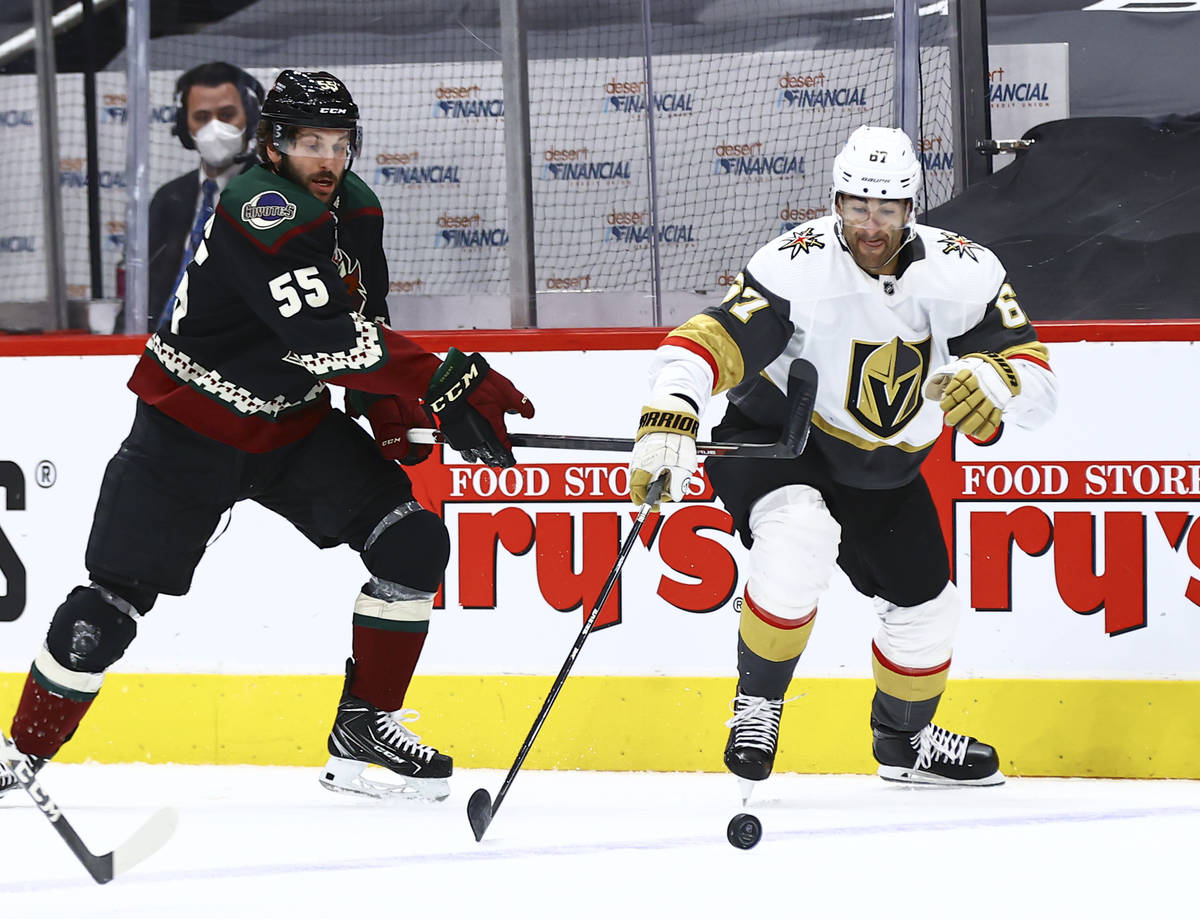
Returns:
<point x="149" y="838"/>
<point x="480" y="807"/>
<point x="802" y="391"/>
<point x="802" y="387"/>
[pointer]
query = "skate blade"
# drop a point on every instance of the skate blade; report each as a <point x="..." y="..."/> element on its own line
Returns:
<point x="345" y="776"/>
<point x="746" y="787"/>
<point x="908" y="776"/>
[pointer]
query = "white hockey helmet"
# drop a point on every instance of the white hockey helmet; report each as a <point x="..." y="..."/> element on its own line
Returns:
<point x="877" y="163"/>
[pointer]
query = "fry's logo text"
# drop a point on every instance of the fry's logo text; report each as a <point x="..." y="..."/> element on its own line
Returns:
<point x="1077" y="514"/>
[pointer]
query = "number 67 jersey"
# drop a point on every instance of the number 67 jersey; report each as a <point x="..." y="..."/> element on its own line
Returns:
<point x="283" y="294"/>
<point x="873" y="338"/>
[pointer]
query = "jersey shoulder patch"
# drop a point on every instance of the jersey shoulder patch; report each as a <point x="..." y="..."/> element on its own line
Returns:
<point x="357" y="195"/>
<point x="961" y="263"/>
<point x="803" y="240"/>
<point x="268" y="206"/>
<point x="801" y="256"/>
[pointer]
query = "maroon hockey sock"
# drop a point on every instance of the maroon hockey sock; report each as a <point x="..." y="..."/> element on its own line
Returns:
<point x="44" y="721"/>
<point x="384" y="662"/>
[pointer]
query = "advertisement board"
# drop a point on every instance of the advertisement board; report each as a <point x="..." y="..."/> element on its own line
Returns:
<point x="1075" y="547"/>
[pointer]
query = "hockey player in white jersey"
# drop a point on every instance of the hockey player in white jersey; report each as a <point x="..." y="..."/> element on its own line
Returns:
<point x="910" y="327"/>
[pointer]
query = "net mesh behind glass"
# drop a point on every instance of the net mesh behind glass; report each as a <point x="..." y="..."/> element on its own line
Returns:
<point x="749" y="112"/>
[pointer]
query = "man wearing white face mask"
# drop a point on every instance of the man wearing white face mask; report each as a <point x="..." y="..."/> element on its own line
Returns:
<point x="217" y="108"/>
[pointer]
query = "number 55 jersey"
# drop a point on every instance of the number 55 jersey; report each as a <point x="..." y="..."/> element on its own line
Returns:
<point x="283" y="294"/>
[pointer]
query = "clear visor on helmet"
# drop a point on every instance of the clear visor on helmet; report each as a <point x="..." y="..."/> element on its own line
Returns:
<point x="337" y="144"/>
<point x="882" y="213"/>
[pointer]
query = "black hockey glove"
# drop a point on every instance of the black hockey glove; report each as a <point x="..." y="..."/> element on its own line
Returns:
<point x="469" y="401"/>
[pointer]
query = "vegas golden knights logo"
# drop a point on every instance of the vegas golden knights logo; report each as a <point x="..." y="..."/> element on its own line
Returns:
<point x="884" y="393"/>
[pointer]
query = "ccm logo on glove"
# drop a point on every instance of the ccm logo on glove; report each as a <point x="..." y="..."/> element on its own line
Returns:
<point x="469" y="401"/>
<point x="454" y="391"/>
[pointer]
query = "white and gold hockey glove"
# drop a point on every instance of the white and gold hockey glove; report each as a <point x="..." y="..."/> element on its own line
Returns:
<point x="973" y="391"/>
<point x="666" y="440"/>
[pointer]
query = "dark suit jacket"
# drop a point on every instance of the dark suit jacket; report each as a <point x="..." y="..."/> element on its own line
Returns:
<point x="172" y="210"/>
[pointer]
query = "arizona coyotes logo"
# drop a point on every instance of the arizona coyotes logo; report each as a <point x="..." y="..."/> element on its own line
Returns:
<point x="884" y="393"/>
<point x="952" y="243"/>
<point x="803" y="241"/>
<point x="350" y="271"/>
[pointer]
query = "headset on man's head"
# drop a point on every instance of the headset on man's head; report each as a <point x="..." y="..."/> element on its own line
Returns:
<point x="215" y="73"/>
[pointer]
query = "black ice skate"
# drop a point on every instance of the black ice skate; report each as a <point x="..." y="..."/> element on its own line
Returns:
<point x="935" y="756"/>
<point x="363" y="735"/>
<point x="8" y="781"/>
<point x="753" y="736"/>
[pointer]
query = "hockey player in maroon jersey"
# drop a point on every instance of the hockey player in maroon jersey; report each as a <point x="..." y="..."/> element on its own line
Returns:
<point x="910" y="328"/>
<point x="285" y="295"/>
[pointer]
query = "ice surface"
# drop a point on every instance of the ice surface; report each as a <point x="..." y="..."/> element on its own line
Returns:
<point x="267" y="842"/>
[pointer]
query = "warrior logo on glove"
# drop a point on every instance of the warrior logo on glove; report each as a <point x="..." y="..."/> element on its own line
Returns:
<point x="973" y="392"/>
<point x="665" y="442"/>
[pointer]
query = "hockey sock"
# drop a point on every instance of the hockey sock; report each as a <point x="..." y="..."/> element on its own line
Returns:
<point x="769" y="648"/>
<point x="44" y="720"/>
<point x="384" y="664"/>
<point x="905" y="697"/>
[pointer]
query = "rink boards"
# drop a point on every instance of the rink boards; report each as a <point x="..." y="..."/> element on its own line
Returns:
<point x="1075" y="546"/>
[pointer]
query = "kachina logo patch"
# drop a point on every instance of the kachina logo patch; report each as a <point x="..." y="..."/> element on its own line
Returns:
<point x="267" y="209"/>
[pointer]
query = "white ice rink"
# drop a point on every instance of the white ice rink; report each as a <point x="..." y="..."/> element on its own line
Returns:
<point x="267" y="842"/>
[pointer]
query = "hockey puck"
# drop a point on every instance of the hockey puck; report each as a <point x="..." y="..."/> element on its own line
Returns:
<point x="744" y="831"/>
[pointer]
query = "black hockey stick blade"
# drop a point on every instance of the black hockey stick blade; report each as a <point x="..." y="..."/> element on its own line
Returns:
<point x="479" y="812"/>
<point x="802" y="398"/>
<point x="148" y="839"/>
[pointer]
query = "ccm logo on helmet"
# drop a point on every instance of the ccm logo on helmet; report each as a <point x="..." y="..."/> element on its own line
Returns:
<point x="332" y="110"/>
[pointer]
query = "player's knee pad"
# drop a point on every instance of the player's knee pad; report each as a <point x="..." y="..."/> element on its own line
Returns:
<point x="89" y="632"/>
<point x="794" y="551"/>
<point x="920" y="636"/>
<point x="409" y="547"/>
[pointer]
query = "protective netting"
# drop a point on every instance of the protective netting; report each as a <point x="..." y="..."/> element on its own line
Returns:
<point x="22" y="276"/>
<point x="751" y="104"/>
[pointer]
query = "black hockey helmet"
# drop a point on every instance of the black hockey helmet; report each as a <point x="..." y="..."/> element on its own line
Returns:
<point x="301" y="98"/>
